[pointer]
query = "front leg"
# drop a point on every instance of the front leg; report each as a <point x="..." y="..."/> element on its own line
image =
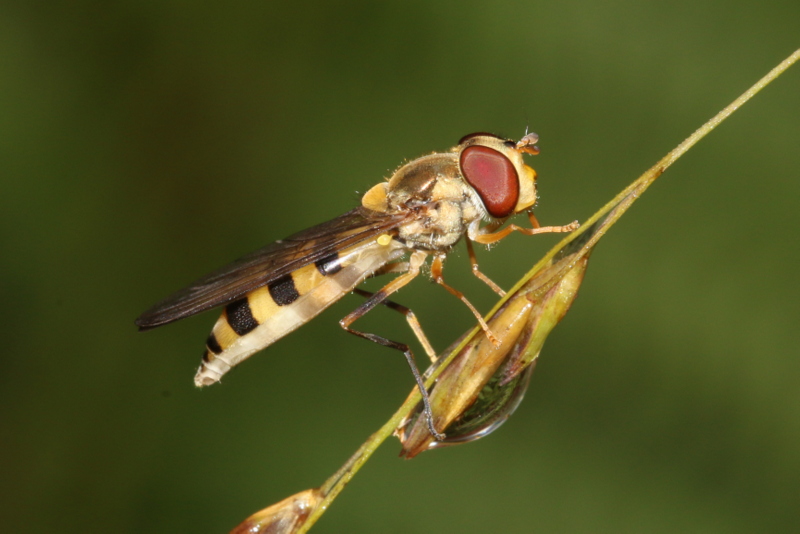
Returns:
<point x="488" y="238"/>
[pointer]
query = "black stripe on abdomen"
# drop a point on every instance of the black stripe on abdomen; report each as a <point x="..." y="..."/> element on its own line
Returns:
<point x="329" y="264"/>
<point x="240" y="318"/>
<point x="283" y="291"/>
<point x="213" y="344"/>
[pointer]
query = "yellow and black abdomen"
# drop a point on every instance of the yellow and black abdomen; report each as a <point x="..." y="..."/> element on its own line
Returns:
<point x="267" y="314"/>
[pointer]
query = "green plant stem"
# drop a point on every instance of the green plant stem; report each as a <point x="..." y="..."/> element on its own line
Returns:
<point x="609" y="214"/>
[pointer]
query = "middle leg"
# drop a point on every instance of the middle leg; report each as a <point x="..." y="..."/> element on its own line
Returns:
<point x="473" y="260"/>
<point x="436" y="273"/>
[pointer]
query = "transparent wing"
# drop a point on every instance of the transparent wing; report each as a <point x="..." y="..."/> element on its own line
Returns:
<point x="271" y="262"/>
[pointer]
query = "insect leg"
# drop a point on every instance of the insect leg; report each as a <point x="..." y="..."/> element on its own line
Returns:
<point x="436" y="274"/>
<point x="486" y="239"/>
<point x="396" y="267"/>
<point x="415" y="262"/>
<point x="473" y="260"/>
<point x="413" y="322"/>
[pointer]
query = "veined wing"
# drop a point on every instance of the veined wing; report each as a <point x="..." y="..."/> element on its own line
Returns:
<point x="268" y="264"/>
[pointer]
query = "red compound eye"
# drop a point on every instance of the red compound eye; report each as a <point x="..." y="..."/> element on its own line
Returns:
<point x="494" y="178"/>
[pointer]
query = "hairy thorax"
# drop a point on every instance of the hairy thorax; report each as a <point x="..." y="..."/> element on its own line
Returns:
<point x="433" y="190"/>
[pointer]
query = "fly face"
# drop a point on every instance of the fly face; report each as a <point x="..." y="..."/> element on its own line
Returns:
<point x="448" y="194"/>
<point x="425" y="207"/>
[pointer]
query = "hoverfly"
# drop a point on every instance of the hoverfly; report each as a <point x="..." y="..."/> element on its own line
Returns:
<point x="424" y="209"/>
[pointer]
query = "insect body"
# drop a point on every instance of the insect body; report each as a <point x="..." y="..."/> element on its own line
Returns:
<point x="424" y="209"/>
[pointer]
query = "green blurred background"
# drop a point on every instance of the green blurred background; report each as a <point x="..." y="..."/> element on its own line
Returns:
<point x="143" y="144"/>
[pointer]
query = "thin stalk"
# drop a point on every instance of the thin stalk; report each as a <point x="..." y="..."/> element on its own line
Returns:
<point x="607" y="215"/>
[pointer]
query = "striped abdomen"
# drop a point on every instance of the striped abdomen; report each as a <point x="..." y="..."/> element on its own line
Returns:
<point x="267" y="314"/>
